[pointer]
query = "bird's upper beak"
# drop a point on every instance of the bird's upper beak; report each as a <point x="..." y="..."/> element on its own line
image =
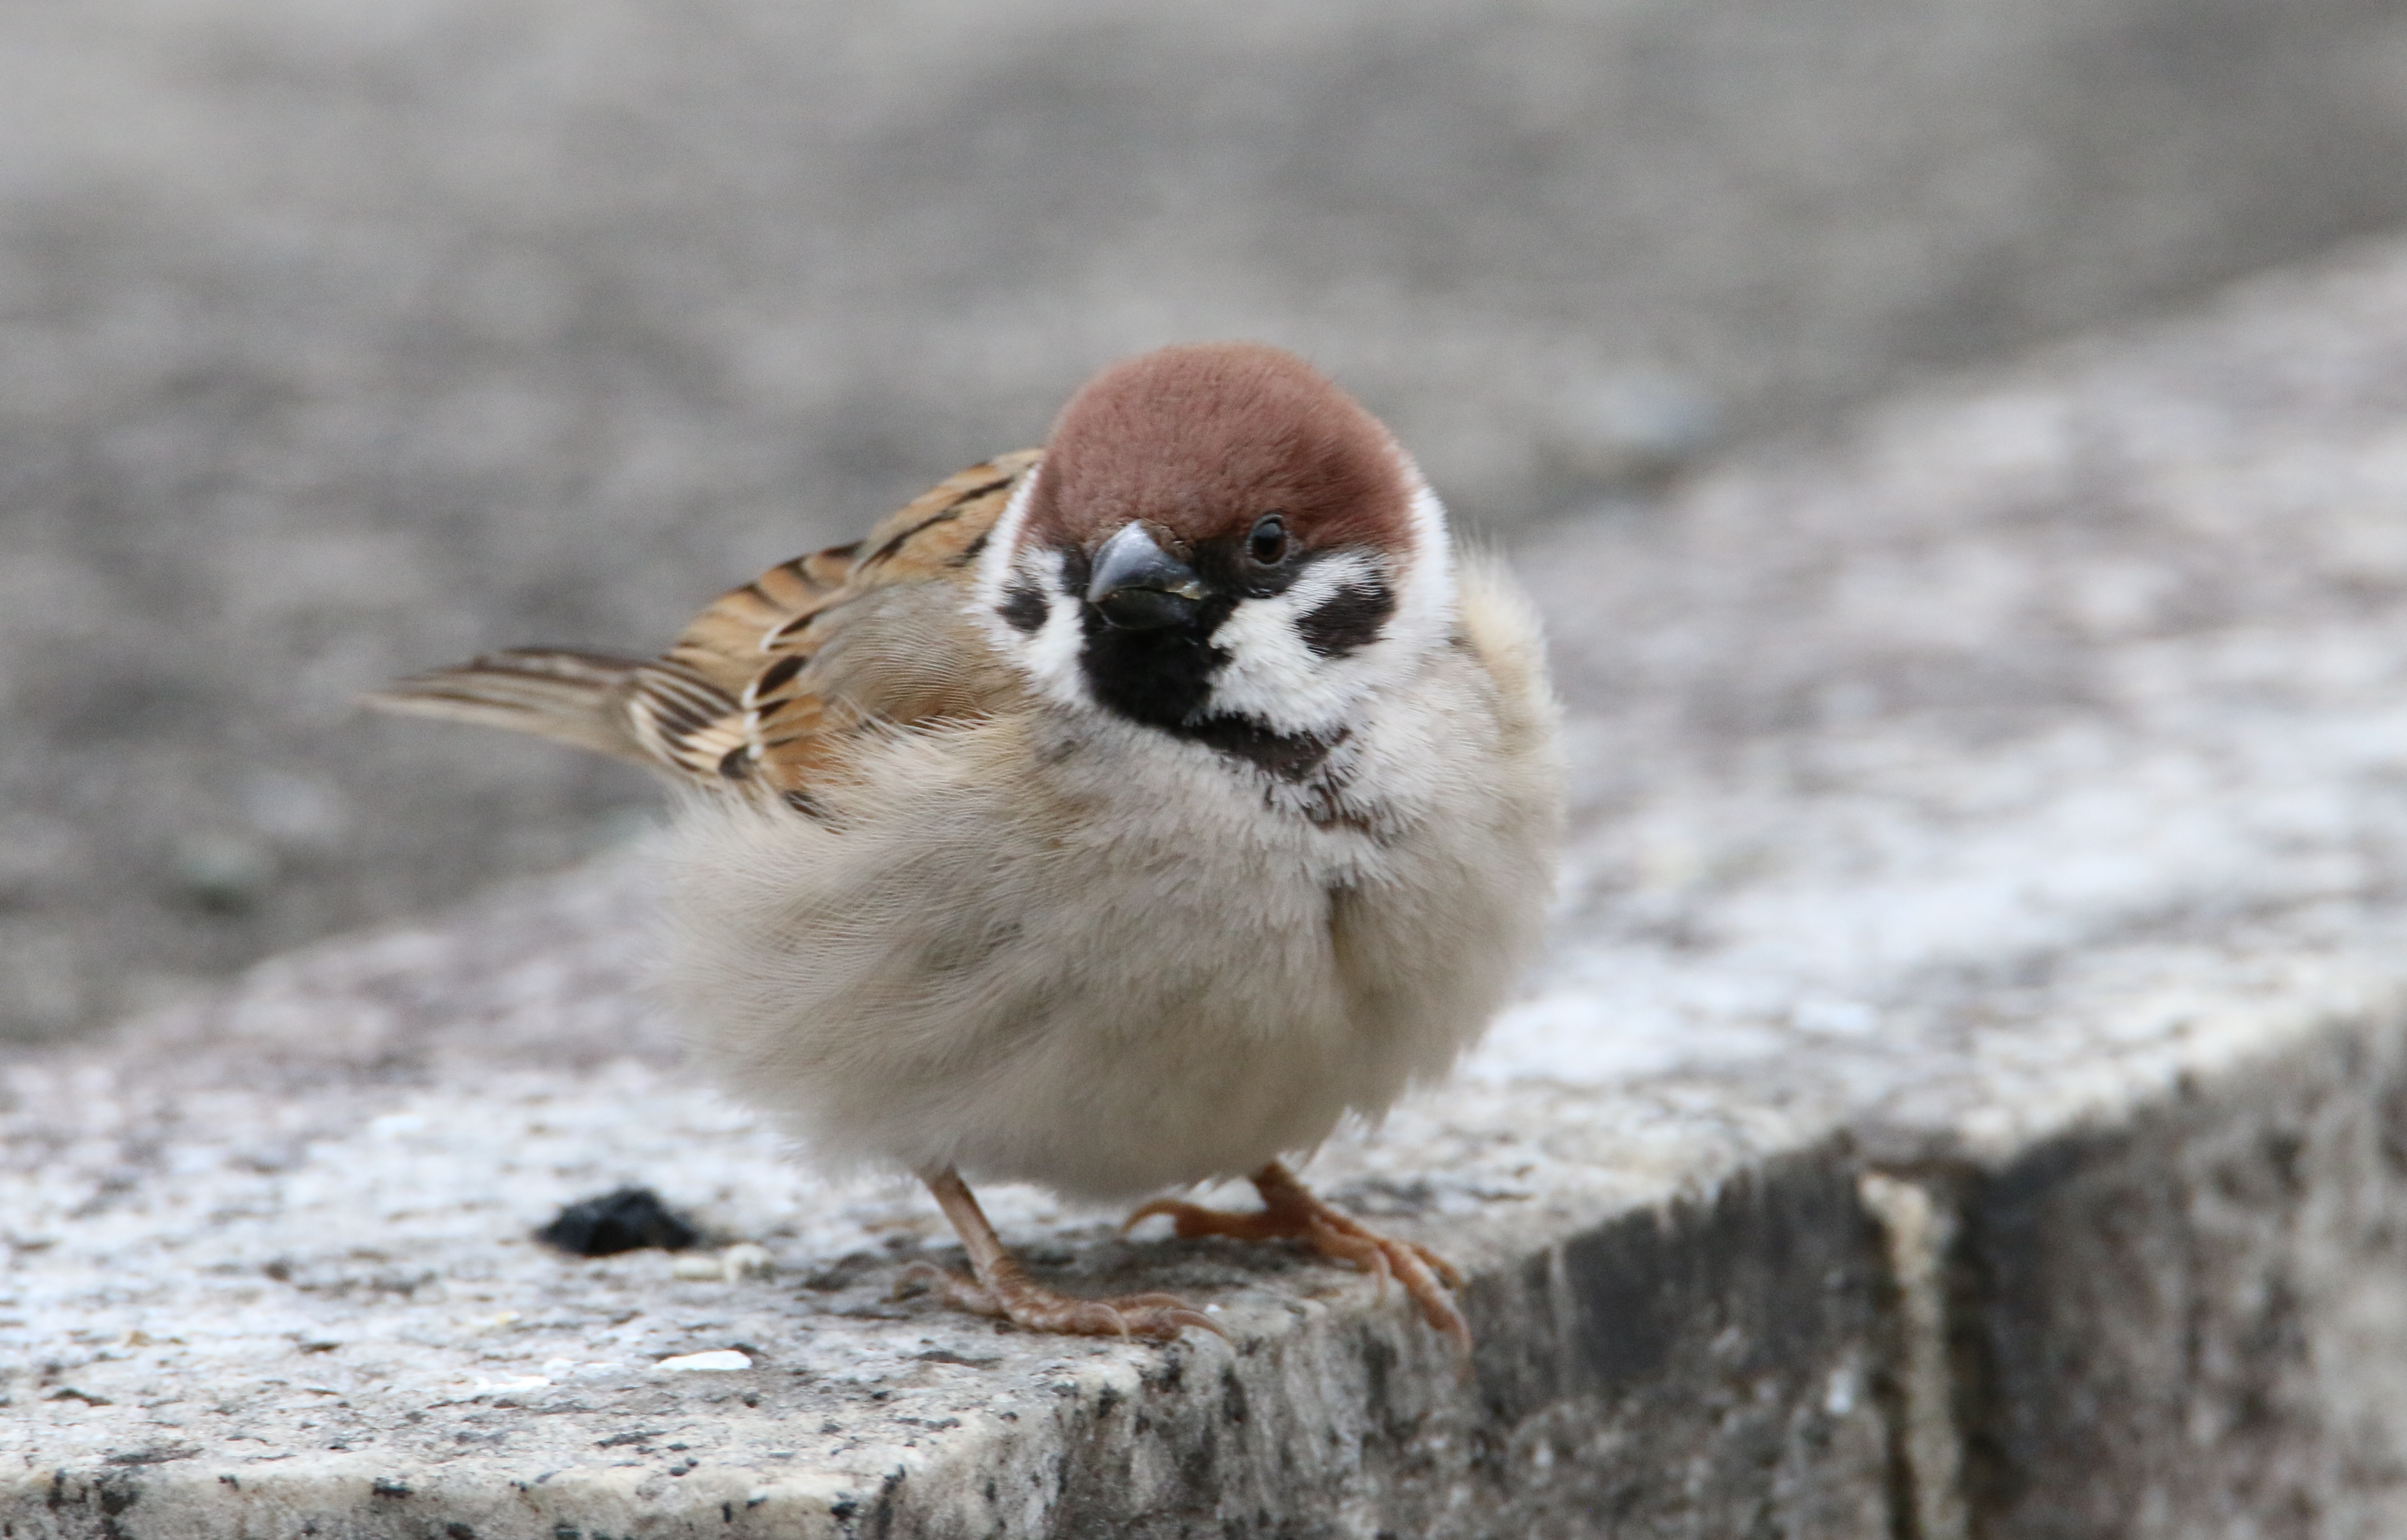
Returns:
<point x="1138" y="586"/>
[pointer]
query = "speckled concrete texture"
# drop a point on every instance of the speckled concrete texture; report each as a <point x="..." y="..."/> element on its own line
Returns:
<point x="271" y="1261"/>
<point x="1966" y="1085"/>
<point x="338" y="341"/>
<point x="2195" y="1325"/>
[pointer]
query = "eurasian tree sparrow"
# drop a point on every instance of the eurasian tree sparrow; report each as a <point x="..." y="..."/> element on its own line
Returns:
<point x="1116" y="817"/>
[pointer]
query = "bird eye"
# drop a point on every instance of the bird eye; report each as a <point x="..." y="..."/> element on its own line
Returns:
<point x="1267" y="545"/>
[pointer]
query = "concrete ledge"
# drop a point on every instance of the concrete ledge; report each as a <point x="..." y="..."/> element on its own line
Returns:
<point x="316" y="1298"/>
<point x="1968" y="1094"/>
<point x="2194" y="1324"/>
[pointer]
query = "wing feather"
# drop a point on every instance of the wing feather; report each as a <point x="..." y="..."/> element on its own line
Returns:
<point x="766" y="689"/>
<point x="552" y="693"/>
<point x="885" y="645"/>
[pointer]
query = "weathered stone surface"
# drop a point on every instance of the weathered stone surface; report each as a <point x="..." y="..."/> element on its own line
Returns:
<point x="2195" y="1325"/>
<point x="341" y="341"/>
<point x="270" y="1256"/>
<point x="2050" y="736"/>
<point x="1965" y="1096"/>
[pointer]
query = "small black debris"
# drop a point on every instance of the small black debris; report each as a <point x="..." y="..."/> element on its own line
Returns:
<point x="628" y="1220"/>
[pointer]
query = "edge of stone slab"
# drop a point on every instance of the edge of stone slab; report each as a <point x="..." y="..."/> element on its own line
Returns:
<point x="1735" y="1333"/>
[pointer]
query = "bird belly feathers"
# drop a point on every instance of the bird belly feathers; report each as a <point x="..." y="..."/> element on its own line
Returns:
<point x="1088" y="954"/>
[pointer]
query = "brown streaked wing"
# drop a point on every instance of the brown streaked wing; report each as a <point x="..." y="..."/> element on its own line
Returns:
<point x="824" y="646"/>
<point x="722" y="644"/>
<point x="685" y="722"/>
<point x="935" y="536"/>
<point x="731" y="639"/>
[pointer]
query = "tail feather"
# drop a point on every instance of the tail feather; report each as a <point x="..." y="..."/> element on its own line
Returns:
<point x="576" y="698"/>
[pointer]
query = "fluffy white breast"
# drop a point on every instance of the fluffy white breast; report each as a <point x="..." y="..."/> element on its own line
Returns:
<point x="1058" y="947"/>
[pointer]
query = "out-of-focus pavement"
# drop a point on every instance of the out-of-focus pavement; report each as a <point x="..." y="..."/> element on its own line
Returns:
<point x="338" y="340"/>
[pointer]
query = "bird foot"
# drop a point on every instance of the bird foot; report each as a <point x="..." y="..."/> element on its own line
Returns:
<point x="1007" y="1294"/>
<point x="1290" y="1211"/>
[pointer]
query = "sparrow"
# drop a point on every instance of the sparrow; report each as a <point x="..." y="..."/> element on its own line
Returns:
<point x="1118" y="816"/>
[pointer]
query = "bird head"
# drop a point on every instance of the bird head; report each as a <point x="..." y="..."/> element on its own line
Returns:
<point x="1220" y="544"/>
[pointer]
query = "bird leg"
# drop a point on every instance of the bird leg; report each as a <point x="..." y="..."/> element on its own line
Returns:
<point x="1290" y="1210"/>
<point x="1001" y="1287"/>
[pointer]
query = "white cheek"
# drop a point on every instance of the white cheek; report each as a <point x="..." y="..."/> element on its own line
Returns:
<point x="1425" y="604"/>
<point x="1051" y="655"/>
<point x="1048" y="655"/>
<point x="1002" y="559"/>
<point x="1271" y="675"/>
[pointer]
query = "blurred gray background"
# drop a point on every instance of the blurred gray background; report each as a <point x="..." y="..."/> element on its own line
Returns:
<point x="339" y="340"/>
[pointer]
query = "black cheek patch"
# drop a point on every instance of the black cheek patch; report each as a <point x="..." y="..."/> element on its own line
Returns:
<point x="1022" y="608"/>
<point x="1347" y="620"/>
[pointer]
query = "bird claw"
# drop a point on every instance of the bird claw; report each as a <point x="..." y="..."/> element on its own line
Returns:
<point x="1290" y="1211"/>
<point x="1032" y="1308"/>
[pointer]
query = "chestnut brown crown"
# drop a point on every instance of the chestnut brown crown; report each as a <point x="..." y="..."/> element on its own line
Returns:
<point x="1200" y="441"/>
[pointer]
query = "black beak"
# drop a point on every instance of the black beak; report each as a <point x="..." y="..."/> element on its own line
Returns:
<point x="1138" y="586"/>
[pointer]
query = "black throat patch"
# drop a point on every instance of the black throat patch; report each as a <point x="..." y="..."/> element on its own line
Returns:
<point x="1163" y="678"/>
